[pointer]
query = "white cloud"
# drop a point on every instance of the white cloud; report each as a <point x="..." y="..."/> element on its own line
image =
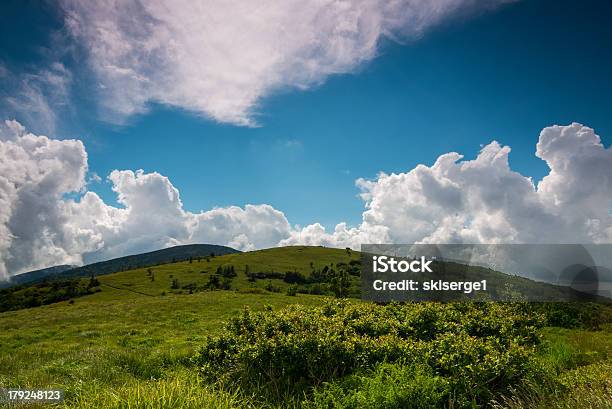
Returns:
<point x="95" y="178"/>
<point x="342" y="236"/>
<point x="35" y="172"/>
<point x="454" y="200"/>
<point x="218" y="58"/>
<point x="153" y="217"/>
<point x="255" y="226"/>
<point x="485" y="201"/>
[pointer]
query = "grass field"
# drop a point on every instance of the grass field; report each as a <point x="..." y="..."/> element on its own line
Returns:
<point x="131" y="344"/>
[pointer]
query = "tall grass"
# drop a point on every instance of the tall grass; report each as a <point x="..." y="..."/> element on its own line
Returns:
<point x="181" y="391"/>
<point x="587" y="386"/>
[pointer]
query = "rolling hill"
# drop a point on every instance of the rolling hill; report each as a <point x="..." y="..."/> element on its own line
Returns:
<point x="191" y="275"/>
<point x="167" y="255"/>
<point x="294" y="269"/>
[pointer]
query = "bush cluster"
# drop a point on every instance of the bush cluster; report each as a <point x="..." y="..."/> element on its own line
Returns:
<point x="473" y="350"/>
<point x="335" y="280"/>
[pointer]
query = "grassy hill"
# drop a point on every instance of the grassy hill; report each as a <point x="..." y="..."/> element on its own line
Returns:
<point x="297" y="269"/>
<point x="189" y="276"/>
<point x="163" y="256"/>
<point x="132" y="344"/>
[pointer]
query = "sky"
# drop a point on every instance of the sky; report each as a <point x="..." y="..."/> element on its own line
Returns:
<point x="305" y="110"/>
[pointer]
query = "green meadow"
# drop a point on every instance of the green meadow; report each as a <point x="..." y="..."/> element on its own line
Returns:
<point x="162" y="337"/>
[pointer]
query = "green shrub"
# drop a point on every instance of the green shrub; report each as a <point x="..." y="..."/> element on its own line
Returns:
<point x="479" y="349"/>
<point x="294" y="277"/>
<point x="272" y="288"/>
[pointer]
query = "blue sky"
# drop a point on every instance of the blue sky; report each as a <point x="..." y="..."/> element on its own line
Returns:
<point x="501" y="75"/>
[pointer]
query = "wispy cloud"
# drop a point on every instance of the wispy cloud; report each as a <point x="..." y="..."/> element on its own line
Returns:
<point x="219" y="58"/>
<point x="36" y="98"/>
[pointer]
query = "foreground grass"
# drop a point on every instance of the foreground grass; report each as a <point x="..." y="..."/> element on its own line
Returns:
<point x="123" y="351"/>
<point x="111" y="340"/>
<point x="181" y="390"/>
<point x="579" y="365"/>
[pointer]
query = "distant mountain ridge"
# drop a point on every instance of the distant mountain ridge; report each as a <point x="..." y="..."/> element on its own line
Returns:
<point x="163" y="256"/>
<point x="36" y="275"/>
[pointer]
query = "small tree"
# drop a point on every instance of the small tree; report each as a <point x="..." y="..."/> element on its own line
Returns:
<point x="226" y="271"/>
<point x="214" y="282"/>
<point x="230" y="272"/>
<point x="271" y="287"/>
<point x="340" y="283"/>
<point x="93" y="282"/>
<point x="175" y="285"/>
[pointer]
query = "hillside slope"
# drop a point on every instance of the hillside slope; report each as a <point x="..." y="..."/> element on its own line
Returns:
<point x="196" y="274"/>
<point x="167" y="255"/>
<point x="294" y="269"/>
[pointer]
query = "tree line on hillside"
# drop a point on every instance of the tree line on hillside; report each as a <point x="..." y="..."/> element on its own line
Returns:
<point x="339" y="280"/>
<point x="220" y="280"/>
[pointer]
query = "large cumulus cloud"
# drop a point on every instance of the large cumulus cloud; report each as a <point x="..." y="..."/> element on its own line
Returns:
<point x="485" y="201"/>
<point x="219" y="57"/>
<point x="153" y="217"/>
<point x="35" y="173"/>
<point x="47" y="215"/>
